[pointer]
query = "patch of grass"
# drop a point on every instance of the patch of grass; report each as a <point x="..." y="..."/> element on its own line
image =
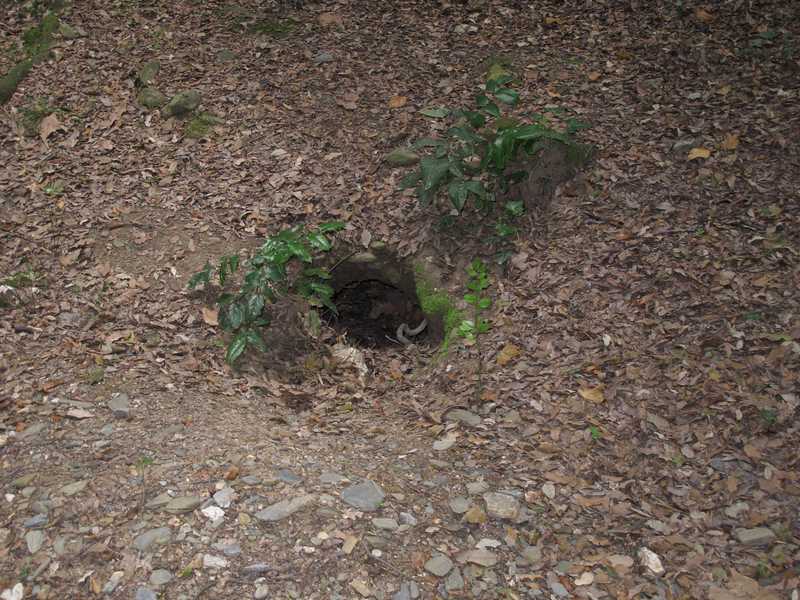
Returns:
<point x="435" y="302"/>
<point x="272" y="27"/>
<point x="31" y="115"/>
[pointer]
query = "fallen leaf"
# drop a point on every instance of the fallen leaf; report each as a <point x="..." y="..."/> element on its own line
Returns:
<point x="699" y="153"/>
<point x="507" y="354"/>
<point x="397" y="101"/>
<point x="702" y="15"/>
<point x="327" y="19"/>
<point x="592" y="394"/>
<point x="48" y="125"/>
<point x="586" y="578"/>
<point x="595" y="76"/>
<point x="232" y="473"/>
<point x="350" y="542"/>
<point x="348" y="101"/>
<point x="211" y="316"/>
<point x="731" y="142"/>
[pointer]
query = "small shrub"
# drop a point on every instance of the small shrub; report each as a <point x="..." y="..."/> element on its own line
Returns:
<point x="282" y="265"/>
<point x="472" y="329"/>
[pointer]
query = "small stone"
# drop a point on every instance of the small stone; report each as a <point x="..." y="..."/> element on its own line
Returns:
<point x="34" y="539"/>
<point x="475" y="515"/>
<point x="477" y="487"/>
<point x="33" y="430"/>
<point x="113" y="582"/>
<point x="24" y="481"/>
<point x="549" y="490"/>
<point x="734" y="510"/>
<point x="556" y="586"/>
<point x="72" y="489"/>
<point x="362" y="587"/>
<point x="284" y="508"/>
<point x="531" y="554"/>
<point x="479" y="556"/>
<point x="159" y="501"/>
<point x="120" y="405"/>
<point x="651" y="560"/>
<point x="501" y="506"/>
<point x="13" y="593"/>
<point x="322" y="58"/>
<point x="255" y="570"/>
<point x="287" y="476"/>
<point x="229" y="548"/>
<point x="409" y="590"/>
<point x="224" y="497"/>
<point x="35" y="522"/>
<point x="366" y="495"/>
<point x="459" y="415"/>
<point x="148" y="72"/>
<point x="182" y="104"/>
<point x="183" y="504"/>
<point x="446" y="442"/>
<point x="251" y="480"/>
<point x="144" y="593"/>
<point x="439" y="565"/>
<point x="213" y="513"/>
<point x="330" y="477"/>
<point x="459" y="504"/>
<point x="488" y="543"/>
<point x="151" y="98"/>
<point x="214" y="562"/>
<point x="262" y="591"/>
<point x="454" y="581"/>
<point x="160" y="577"/>
<point x="408" y="519"/>
<point x="384" y="523"/>
<point x="159" y="536"/>
<point x="758" y="536"/>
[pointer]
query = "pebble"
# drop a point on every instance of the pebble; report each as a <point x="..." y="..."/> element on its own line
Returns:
<point x="407" y="519"/>
<point x="224" y="497"/>
<point x="460" y="415"/>
<point x="159" y="501"/>
<point x="734" y="510"/>
<point x="329" y="477"/>
<point x="362" y="587"/>
<point x="34" y="539"/>
<point x="183" y="504"/>
<point x="501" y="506"/>
<point x="409" y="590"/>
<point x="758" y="536"/>
<point x="158" y="536"/>
<point x="439" y="565"/>
<point x="71" y="489"/>
<point x="479" y="556"/>
<point x="556" y="586"/>
<point x="34" y="429"/>
<point x="229" y="548"/>
<point x="214" y="513"/>
<point x="284" y="508"/>
<point x="255" y="570"/>
<point x="287" y="476"/>
<point x="651" y="560"/>
<point x="262" y="591"/>
<point x="113" y="582"/>
<point x="160" y="577"/>
<point x="24" y="481"/>
<point x="35" y="521"/>
<point x="531" y="554"/>
<point x="14" y="593"/>
<point x="251" y="480"/>
<point x="144" y="593"/>
<point x="459" y="504"/>
<point x="475" y="488"/>
<point x="366" y="495"/>
<point x="214" y="562"/>
<point x="384" y="523"/>
<point x="120" y="405"/>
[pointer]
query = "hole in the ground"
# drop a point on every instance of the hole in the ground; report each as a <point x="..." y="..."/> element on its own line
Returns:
<point x="375" y="295"/>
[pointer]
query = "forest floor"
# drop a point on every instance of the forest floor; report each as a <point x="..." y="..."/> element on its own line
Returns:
<point x="637" y="435"/>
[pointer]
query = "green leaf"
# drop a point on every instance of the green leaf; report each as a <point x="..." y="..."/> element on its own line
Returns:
<point x="316" y="272"/>
<point x="410" y="180"/>
<point x="235" y="313"/>
<point x="515" y="208"/>
<point x="427" y="142"/>
<point x="255" y="304"/>
<point x="331" y="226"/>
<point x="203" y="277"/>
<point x="435" y="113"/>
<point x="434" y="173"/>
<point x="254" y="339"/>
<point x="321" y="289"/>
<point x="299" y="250"/>
<point x="492" y="109"/>
<point x="319" y="241"/>
<point x="507" y="96"/>
<point x="463" y="133"/>
<point x="484" y="303"/>
<point x="236" y="347"/>
<point x="471" y="299"/>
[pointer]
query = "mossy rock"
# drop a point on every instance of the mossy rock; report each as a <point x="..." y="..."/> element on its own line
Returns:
<point x="148" y="73"/>
<point x="151" y="98"/>
<point x="201" y="125"/>
<point x="182" y="104"/>
<point x="10" y="82"/>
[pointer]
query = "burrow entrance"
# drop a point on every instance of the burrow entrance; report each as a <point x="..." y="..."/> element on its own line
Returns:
<point x="376" y="298"/>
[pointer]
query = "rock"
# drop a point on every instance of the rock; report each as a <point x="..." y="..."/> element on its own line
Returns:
<point x="183" y="504"/>
<point x="439" y="565"/>
<point x="402" y="157"/>
<point x="262" y="591"/>
<point x="734" y="510"/>
<point x="501" y="506"/>
<point x="32" y="430"/>
<point x="408" y="519"/>
<point x="549" y="490"/>
<point x="488" y="543"/>
<point x="182" y="104"/>
<point x="213" y="513"/>
<point x="120" y="406"/>
<point x="255" y="570"/>
<point x="446" y="442"/>
<point x="477" y="487"/>
<point x="13" y="593"/>
<point x="287" y="476"/>
<point x="159" y="501"/>
<point x="251" y="480"/>
<point x="759" y="536"/>
<point x="479" y="556"/>
<point x="68" y="32"/>
<point x="475" y="515"/>
<point x="151" y="98"/>
<point x="409" y="590"/>
<point x="148" y="72"/>
<point x="459" y="504"/>
<point x="651" y="560"/>
<point x="384" y="523"/>
<point x="284" y="508"/>
<point x="454" y="581"/>
<point x="332" y="478"/>
<point x="366" y="496"/>
<point x="160" y="577"/>
<point x="556" y="586"/>
<point x="531" y="554"/>
<point x="24" y="481"/>
<point x="144" y="593"/>
<point x="229" y="547"/>
<point x="459" y="415"/>
<point x="72" y="489"/>
<point x="362" y="587"/>
<point x="214" y="562"/>
<point x="34" y="539"/>
<point x="113" y="582"/>
<point x="224" y="497"/>
<point x="35" y="522"/>
<point x="158" y="536"/>
<point x="322" y="58"/>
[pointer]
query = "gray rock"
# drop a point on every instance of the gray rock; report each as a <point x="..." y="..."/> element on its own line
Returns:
<point x="330" y="477"/>
<point x="454" y="581"/>
<point x="113" y="582"/>
<point x="402" y="157"/>
<point x="24" y="481"/>
<point x="284" y="508"/>
<point x="160" y="577"/>
<point x="556" y="587"/>
<point x="459" y="504"/>
<point x="322" y="58"/>
<point x="144" y="593"/>
<point x="224" y="497"/>
<point x="409" y="590"/>
<point x="159" y="501"/>
<point x="183" y="504"/>
<point x="214" y="562"/>
<point x="71" y="489"/>
<point x="34" y="539"/>
<point x="287" y="476"/>
<point x="262" y="591"/>
<point x="384" y="523"/>
<point x="32" y="430"/>
<point x="408" y="519"/>
<point x="477" y="556"/>
<point x="255" y="570"/>
<point x="459" y="415"/>
<point x="734" y="510"/>
<point x="148" y="72"/>
<point x="758" y="536"/>
<point x="229" y="548"/>
<point x="64" y="546"/>
<point x="366" y="496"/>
<point x="107" y="430"/>
<point x="182" y="104"/>
<point x="439" y="565"/>
<point x="151" y="98"/>
<point x="251" y="480"/>
<point x="35" y="522"/>
<point x="158" y="536"/>
<point x="501" y="506"/>
<point x="531" y="554"/>
<point x="120" y="405"/>
<point x="477" y="487"/>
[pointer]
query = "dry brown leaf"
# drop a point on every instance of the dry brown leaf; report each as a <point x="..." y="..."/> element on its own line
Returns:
<point x="211" y="316"/>
<point x="507" y="354"/>
<point x="731" y="142"/>
<point x="232" y="473"/>
<point x="327" y="19"/>
<point x="594" y="394"/>
<point x="397" y="101"/>
<point x="595" y="76"/>
<point x="702" y="15"/>
<point x="48" y="125"/>
<point x="695" y="153"/>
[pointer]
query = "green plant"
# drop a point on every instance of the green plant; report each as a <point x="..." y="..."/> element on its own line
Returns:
<point x="282" y="265"/>
<point x="475" y="159"/>
<point x="769" y="417"/>
<point x="472" y="329"/>
<point x="595" y="432"/>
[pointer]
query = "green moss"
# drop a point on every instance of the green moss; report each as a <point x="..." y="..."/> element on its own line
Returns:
<point x="436" y="303"/>
<point x="10" y="81"/>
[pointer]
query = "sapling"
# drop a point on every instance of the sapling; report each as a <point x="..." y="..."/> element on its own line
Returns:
<point x="472" y="329"/>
